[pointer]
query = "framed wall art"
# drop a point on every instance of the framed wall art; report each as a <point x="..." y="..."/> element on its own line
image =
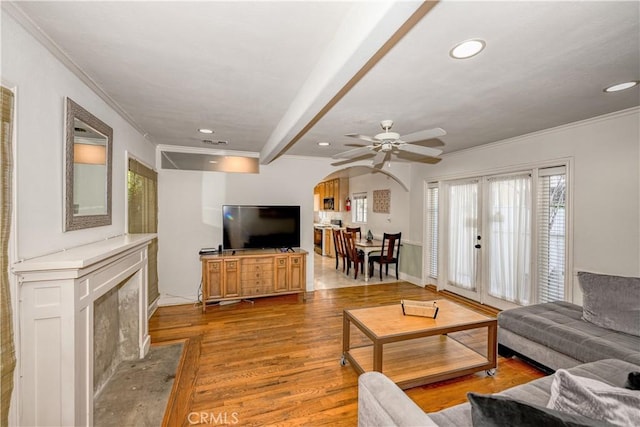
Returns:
<point x="382" y="201"/>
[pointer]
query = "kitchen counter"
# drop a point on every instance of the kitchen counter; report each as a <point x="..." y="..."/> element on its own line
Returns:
<point x="323" y="239"/>
<point x="325" y="226"/>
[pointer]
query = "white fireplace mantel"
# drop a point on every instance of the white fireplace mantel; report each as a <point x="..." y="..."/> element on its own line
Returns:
<point x="56" y="299"/>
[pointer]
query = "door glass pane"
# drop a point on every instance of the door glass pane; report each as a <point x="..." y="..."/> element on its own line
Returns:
<point x="463" y="232"/>
<point x="509" y="238"/>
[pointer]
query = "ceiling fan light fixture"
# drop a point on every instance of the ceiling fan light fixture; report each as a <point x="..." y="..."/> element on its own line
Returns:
<point x="467" y="49"/>
<point x="387" y="136"/>
<point x="386" y="146"/>
<point x="621" y="86"/>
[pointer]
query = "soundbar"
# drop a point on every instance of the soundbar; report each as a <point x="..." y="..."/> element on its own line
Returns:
<point x="208" y="251"/>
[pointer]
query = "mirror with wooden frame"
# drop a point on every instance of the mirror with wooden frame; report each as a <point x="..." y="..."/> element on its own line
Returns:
<point x="88" y="154"/>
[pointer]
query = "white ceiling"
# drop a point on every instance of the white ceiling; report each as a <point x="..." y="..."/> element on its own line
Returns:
<point x="258" y="72"/>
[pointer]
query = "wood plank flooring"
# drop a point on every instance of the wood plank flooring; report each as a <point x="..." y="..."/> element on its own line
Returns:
<point x="277" y="361"/>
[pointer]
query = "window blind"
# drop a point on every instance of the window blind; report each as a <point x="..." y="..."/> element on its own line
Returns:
<point x="432" y="230"/>
<point x="552" y="192"/>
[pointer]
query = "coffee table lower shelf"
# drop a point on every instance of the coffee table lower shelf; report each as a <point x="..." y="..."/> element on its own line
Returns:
<point x="420" y="361"/>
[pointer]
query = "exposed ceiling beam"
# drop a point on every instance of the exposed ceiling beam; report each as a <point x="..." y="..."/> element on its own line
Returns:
<point x="365" y="37"/>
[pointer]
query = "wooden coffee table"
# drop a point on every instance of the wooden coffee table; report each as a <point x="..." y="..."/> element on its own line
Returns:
<point x="417" y="350"/>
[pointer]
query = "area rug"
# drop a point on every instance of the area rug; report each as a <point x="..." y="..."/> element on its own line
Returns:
<point x="137" y="394"/>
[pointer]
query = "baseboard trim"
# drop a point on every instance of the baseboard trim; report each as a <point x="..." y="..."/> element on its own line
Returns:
<point x="483" y="308"/>
<point x="153" y="307"/>
<point x="164" y="300"/>
<point x="411" y="279"/>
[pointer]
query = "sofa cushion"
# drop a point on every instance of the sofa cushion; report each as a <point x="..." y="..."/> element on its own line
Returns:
<point x="594" y="399"/>
<point x="537" y="392"/>
<point x="612" y="302"/>
<point x="382" y="403"/>
<point x="502" y="411"/>
<point x="559" y="326"/>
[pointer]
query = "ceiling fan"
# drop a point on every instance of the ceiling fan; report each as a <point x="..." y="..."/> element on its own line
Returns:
<point x="388" y="143"/>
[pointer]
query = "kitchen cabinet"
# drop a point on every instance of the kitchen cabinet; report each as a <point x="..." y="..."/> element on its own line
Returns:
<point x="336" y="189"/>
<point x="327" y="241"/>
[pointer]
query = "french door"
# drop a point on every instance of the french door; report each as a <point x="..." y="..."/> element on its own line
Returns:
<point x="463" y="202"/>
<point x="488" y="239"/>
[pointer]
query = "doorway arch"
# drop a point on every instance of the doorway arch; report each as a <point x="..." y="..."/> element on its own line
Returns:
<point x="325" y="274"/>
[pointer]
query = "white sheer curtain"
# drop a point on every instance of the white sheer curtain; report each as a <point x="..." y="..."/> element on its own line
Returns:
<point x="463" y="231"/>
<point x="509" y="238"/>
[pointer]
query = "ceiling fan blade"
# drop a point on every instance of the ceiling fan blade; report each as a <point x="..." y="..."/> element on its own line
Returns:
<point x="363" y="137"/>
<point x="353" y="153"/>
<point x="425" y="151"/>
<point x="387" y="158"/>
<point x="355" y="159"/>
<point x="379" y="159"/>
<point x="423" y="135"/>
<point x="433" y="142"/>
<point x="405" y="155"/>
<point x="357" y="145"/>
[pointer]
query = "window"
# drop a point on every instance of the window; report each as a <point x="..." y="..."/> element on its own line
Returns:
<point x="143" y="215"/>
<point x="360" y="207"/>
<point x="432" y="230"/>
<point x="552" y="194"/>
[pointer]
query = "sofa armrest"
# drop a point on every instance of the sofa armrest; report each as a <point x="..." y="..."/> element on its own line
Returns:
<point x="382" y="403"/>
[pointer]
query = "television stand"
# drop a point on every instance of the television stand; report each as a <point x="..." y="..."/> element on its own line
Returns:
<point x="252" y="273"/>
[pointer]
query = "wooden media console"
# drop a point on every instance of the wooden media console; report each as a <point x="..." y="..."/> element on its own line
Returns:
<point x="252" y="273"/>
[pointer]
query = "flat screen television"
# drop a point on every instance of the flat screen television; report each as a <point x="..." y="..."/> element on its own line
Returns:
<point x="260" y="227"/>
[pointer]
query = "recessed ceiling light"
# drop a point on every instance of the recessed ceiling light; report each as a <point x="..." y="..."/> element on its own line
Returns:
<point x="324" y="144"/>
<point x="213" y="162"/>
<point x="467" y="49"/>
<point x="622" y="86"/>
<point x="204" y="130"/>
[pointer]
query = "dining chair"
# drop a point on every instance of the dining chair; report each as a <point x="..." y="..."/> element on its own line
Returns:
<point x="352" y="253"/>
<point x="389" y="253"/>
<point x="338" y="244"/>
<point x="355" y="230"/>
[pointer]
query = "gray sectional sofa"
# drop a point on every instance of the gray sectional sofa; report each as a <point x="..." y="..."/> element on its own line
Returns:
<point x="600" y="340"/>
<point x="382" y="403"/>
<point x="562" y="335"/>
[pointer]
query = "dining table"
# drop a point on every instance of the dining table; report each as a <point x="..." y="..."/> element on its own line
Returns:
<point x="368" y="246"/>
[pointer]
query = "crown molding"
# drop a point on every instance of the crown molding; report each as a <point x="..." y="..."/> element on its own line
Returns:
<point x="572" y="125"/>
<point x="13" y="9"/>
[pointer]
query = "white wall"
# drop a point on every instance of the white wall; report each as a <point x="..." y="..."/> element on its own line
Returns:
<point x="379" y="223"/>
<point x="605" y="186"/>
<point x="190" y="218"/>
<point x="42" y="82"/>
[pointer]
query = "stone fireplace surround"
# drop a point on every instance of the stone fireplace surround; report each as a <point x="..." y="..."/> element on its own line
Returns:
<point x="62" y="366"/>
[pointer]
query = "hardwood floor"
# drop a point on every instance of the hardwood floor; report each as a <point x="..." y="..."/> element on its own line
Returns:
<point x="277" y="361"/>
